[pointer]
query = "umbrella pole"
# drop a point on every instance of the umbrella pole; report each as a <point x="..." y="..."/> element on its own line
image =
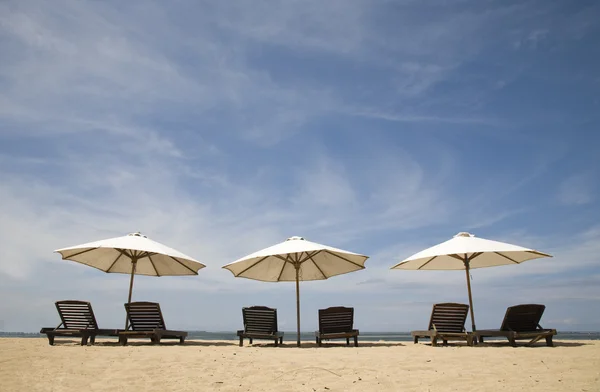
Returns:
<point x="133" y="265"/>
<point x="467" y="269"/>
<point x="298" y="304"/>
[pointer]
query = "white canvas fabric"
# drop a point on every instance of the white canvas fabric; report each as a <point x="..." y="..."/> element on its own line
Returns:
<point x="114" y="255"/>
<point x="450" y="255"/>
<point x="277" y="263"/>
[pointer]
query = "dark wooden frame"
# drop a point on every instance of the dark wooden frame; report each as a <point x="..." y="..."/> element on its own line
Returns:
<point x="260" y="322"/>
<point x="521" y="322"/>
<point x="447" y="322"/>
<point x="336" y="323"/>
<point x="77" y="320"/>
<point x="146" y="321"/>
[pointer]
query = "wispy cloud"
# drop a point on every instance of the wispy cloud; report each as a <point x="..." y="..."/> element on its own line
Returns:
<point x="578" y="189"/>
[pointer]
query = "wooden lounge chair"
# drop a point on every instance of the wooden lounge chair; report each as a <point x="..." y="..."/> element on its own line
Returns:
<point x="521" y="322"/>
<point x="146" y="321"/>
<point x="260" y="322"/>
<point x="447" y="323"/>
<point x="336" y="323"/>
<point x="77" y="320"/>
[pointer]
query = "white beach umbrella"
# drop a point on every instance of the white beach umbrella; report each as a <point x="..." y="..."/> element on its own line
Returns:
<point x="133" y="254"/>
<point x="465" y="251"/>
<point x="296" y="259"/>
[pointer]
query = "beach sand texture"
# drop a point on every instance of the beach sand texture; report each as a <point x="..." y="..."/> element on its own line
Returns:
<point x="33" y="365"/>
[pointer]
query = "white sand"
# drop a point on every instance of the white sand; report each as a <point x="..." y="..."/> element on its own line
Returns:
<point x="33" y="365"/>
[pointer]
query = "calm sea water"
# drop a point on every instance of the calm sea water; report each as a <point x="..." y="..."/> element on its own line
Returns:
<point x="291" y="336"/>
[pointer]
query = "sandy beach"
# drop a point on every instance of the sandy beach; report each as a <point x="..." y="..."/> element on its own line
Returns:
<point x="33" y="365"/>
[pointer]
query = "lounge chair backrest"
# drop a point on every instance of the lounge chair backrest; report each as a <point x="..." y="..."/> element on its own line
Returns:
<point x="145" y="316"/>
<point x="449" y="317"/>
<point x="336" y="320"/>
<point x="260" y="319"/>
<point x="76" y="315"/>
<point x="522" y="318"/>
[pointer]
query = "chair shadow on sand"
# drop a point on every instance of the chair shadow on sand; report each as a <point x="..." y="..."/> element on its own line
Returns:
<point x="188" y="343"/>
<point x="204" y="343"/>
<point x="141" y="343"/>
<point x="557" y="343"/>
<point x="291" y="344"/>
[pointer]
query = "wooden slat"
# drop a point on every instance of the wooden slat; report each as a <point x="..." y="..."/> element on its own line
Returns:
<point x="523" y="318"/>
<point x="336" y="320"/>
<point x="260" y="319"/>
<point x="145" y="316"/>
<point x="449" y="317"/>
<point x="76" y="314"/>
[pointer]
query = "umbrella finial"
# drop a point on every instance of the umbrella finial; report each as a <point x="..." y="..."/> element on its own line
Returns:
<point x="464" y="234"/>
<point x="137" y="234"/>
<point x="295" y="238"/>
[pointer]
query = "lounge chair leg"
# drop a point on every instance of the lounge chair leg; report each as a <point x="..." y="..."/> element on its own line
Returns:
<point x="241" y="341"/>
<point x="317" y="340"/>
<point x="434" y="341"/>
<point x="480" y="339"/>
<point x="416" y="340"/>
<point x="549" y="341"/>
<point x="355" y="341"/>
<point x="51" y="340"/>
<point x="276" y="342"/>
<point x="347" y="341"/>
<point x="469" y="341"/>
<point x="93" y="339"/>
<point x="181" y="340"/>
<point x="84" y="340"/>
<point x="250" y="340"/>
<point x="512" y="342"/>
<point x="445" y="342"/>
<point x="281" y="340"/>
<point x="123" y="340"/>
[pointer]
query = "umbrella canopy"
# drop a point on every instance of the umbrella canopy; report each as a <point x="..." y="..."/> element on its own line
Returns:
<point x="465" y="252"/>
<point x="296" y="259"/>
<point x="132" y="254"/>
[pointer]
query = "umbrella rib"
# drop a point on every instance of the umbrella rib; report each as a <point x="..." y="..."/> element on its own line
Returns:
<point x="506" y="257"/>
<point x="153" y="265"/>
<point x="427" y="262"/>
<point x="89" y="265"/>
<point x="281" y="258"/>
<point x="343" y="258"/>
<point x="114" y="262"/>
<point x="281" y="272"/>
<point x="535" y="252"/>
<point x="310" y="256"/>
<point x="259" y="261"/>
<point x="194" y="272"/>
<point x="320" y="270"/>
<point x="474" y="255"/>
<point x="78" y="253"/>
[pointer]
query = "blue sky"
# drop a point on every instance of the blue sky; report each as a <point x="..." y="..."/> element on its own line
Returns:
<point x="221" y="128"/>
